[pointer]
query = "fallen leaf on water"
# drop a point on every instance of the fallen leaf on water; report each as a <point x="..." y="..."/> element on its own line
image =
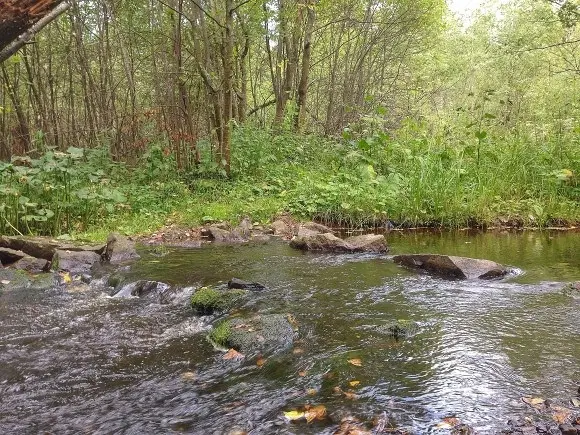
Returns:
<point x="188" y="376"/>
<point x="302" y="373"/>
<point x="5" y="282"/>
<point x="261" y="361"/>
<point x="351" y="426"/>
<point x="293" y="415"/>
<point x="240" y="326"/>
<point x="312" y="391"/>
<point x="536" y="402"/>
<point x="66" y="277"/>
<point x="298" y="351"/>
<point x="354" y="383"/>
<point x="351" y="396"/>
<point x="448" y="423"/>
<point x="233" y="354"/>
<point x="576" y="402"/>
<point x="337" y="390"/>
<point x="355" y="362"/>
<point x="317" y="412"/>
<point x="560" y="414"/>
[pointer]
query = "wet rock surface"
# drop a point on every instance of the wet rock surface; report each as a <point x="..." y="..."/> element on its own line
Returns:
<point x="143" y="288"/>
<point x="310" y="240"/>
<point x="45" y="247"/>
<point x="236" y="283"/>
<point x="263" y="334"/>
<point x="120" y="249"/>
<point x="74" y="261"/>
<point x="11" y="279"/>
<point x="207" y="300"/>
<point x="452" y="267"/>
<point x="399" y="329"/>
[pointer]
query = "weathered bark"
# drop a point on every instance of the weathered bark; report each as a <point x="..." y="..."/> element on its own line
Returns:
<point x="20" y="22"/>
<point x="306" y="52"/>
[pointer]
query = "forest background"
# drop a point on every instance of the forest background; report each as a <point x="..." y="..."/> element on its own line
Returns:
<point x="132" y="114"/>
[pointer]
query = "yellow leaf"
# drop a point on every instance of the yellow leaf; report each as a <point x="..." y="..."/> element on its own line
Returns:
<point x="302" y="373"/>
<point x="312" y="391"/>
<point x="355" y="362"/>
<point x="66" y="277"/>
<point x="448" y="423"/>
<point x="536" y="402"/>
<point x="560" y="414"/>
<point x="188" y="376"/>
<point x="317" y="412"/>
<point x="260" y="362"/>
<point x="293" y="415"/>
<point x="354" y="383"/>
<point x="233" y="354"/>
<point x="350" y="396"/>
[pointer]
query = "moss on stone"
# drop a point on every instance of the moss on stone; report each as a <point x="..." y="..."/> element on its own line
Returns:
<point x="208" y="300"/>
<point x="220" y="334"/>
<point x="401" y="328"/>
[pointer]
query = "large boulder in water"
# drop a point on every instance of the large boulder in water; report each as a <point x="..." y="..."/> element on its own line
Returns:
<point x="208" y="300"/>
<point x="309" y="240"/>
<point x="368" y="243"/>
<point x="11" y="279"/>
<point x="326" y="242"/>
<point x="448" y="266"/>
<point x="263" y="334"/>
<point x="45" y="247"/>
<point x="74" y="261"/>
<point x="120" y="249"/>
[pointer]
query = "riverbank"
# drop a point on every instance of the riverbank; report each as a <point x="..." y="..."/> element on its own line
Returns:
<point x="368" y="179"/>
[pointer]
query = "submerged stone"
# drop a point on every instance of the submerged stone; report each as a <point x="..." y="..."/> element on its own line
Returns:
<point x="143" y="288"/>
<point x="572" y="289"/>
<point x="265" y="334"/>
<point x="400" y="328"/>
<point x="448" y="266"/>
<point x="245" y="285"/>
<point x="207" y="300"/>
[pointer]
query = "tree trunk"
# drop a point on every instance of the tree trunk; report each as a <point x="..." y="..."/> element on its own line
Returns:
<point x="303" y="85"/>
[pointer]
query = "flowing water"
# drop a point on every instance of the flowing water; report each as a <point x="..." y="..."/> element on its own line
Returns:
<point x="82" y="362"/>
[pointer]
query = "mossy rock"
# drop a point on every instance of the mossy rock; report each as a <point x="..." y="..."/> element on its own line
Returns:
<point x="12" y="279"/>
<point x="400" y="328"/>
<point x="220" y="334"/>
<point x="572" y="289"/>
<point x="264" y="334"/>
<point x="207" y="300"/>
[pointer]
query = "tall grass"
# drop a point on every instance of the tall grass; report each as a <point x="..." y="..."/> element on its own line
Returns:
<point x="364" y="178"/>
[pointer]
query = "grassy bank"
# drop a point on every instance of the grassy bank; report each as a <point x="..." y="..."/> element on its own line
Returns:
<point x="364" y="178"/>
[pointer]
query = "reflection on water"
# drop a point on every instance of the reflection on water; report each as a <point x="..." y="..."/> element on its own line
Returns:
<point x="87" y="363"/>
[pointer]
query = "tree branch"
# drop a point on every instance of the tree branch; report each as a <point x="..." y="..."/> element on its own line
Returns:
<point x="262" y="106"/>
<point x="18" y="43"/>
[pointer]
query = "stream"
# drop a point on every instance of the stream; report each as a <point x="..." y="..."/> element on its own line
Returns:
<point x="85" y="363"/>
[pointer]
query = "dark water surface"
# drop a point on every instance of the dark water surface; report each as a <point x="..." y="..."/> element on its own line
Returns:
<point x="82" y="362"/>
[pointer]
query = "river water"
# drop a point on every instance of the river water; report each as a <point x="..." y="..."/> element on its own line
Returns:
<point x="83" y="362"/>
